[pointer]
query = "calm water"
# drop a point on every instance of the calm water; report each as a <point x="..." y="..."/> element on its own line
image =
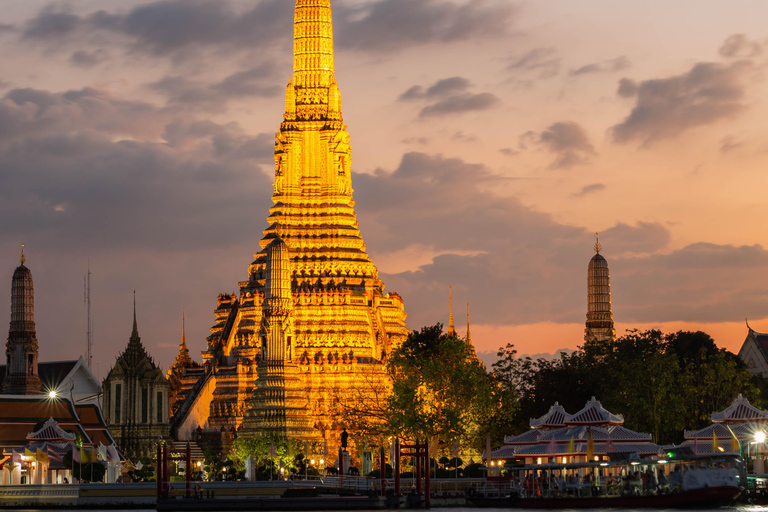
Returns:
<point x="741" y="508"/>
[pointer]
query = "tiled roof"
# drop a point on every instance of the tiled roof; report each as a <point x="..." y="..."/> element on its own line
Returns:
<point x="739" y="410"/>
<point x="593" y="413"/>
<point x="553" y="419"/>
<point x="530" y="437"/>
<point x="580" y="448"/>
<point x="51" y="431"/>
<point x="703" y="447"/>
<point x="743" y="431"/>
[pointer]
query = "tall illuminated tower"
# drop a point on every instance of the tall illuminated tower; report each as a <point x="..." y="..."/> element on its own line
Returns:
<point x="21" y="377"/>
<point x="599" y="325"/>
<point x="312" y="322"/>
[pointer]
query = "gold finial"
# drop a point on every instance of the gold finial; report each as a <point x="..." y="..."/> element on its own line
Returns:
<point x="183" y="327"/>
<point x="469" y="336"/>
<point x="22" y="259"/>
<point x="598" y="247"/>
<point x="451" y="327"/>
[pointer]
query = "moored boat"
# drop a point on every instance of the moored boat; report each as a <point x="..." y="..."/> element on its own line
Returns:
<point x="669" y="481"/>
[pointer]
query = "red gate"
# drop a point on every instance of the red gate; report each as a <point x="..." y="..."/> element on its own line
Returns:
<point x="164" y="456"/>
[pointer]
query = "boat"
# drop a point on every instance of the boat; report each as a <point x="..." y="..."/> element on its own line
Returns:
<point x="673" y="480"/>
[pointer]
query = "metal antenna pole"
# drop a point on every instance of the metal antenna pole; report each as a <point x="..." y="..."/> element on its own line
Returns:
<point x="89" y="333"/>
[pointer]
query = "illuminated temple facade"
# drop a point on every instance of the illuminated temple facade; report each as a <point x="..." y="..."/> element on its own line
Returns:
<point x="311" y="323"/>
<point x="599" y="326"/>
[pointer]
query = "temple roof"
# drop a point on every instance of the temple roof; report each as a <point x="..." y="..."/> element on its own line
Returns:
<point x="555" y="418"/>
<point x="52" y="432"/>
<point x="739" y="411"/>
<point x="593" y="413"/>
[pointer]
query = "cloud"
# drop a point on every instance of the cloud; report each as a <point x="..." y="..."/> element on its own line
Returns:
<point x="568" y="141"/>
<point x="738" y="46"/>
<point x="544" y="61"/>
<point x="85" y="59"/>
<point x="451" y="98"/>
<point x="389" y="25"/>
<point x="441" y="88"/>
<point x="177" y="29"/>
<point x="729" y="144"/>
<point x="255" y="82"/>
<point x="461" y="104"/>
<point x="667" y="107"/>
<point x="589" y="189"/>
<point x="171" y="28"/>
<point x="607" y="66"/>
<point x="526" y="267"/>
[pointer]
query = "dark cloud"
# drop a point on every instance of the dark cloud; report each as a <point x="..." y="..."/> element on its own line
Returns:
<point x="4" y="28"/>
<point x="729" y="144"/>
<point x="172" y="28"/>
<point x="460" y="104"/>
<point x="256" y="82"/>
<point x="451" y="98"/>
<point x="441" y="88"/>
<point x="589" y="189"/>
<point x="568" y="141"/>
<point x="607" y="66"/>
<point x="178" y="28"/>
<point x="387" y="25"/>
<point x="52" y="23"/>
<point x="544" y="61"/>
<point x="668" y="107"/>
<point x="738" y="46"/>
<point x="85" y="59"/>
<point x="509" y="152"/>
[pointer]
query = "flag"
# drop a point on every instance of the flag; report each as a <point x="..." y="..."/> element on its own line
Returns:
<point x="16" y="457"/>
<point x="112" y="455"/>
<point x="84" y="456"/>
<point x="272" y="450"/>
<point x="552" y="446"/>
<point x="456" y="449"/>
<point x="76" y="455"/>
<point x="696" y="444"/>
<point x="488" y="447"/>
<point x="714" y="441"/>
<point x="102" y="452"/>
<point x="41" y="456"/>
<point x="29" y="453"/>
<point x="734" y="444"/>
<point x="590" y="444"/>
<point x="609" y="444"/>
<point x="570" y="446"/>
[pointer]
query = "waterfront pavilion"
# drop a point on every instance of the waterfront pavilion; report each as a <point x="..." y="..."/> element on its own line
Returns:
<point x="559" y="437"/>
<point x="738" y="429"/>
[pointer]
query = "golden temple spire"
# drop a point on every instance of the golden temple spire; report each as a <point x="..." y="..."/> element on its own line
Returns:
<point x="598" y="247"/>
<point x="22" y="258"/>
<point x="313" y="65"/>
<point x="469" y="336"/>
<point x="183" y="328"/>
<point x="451" y="327"/>
<point x="135" y="333"/>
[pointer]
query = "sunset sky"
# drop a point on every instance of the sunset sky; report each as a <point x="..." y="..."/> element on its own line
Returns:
<point x="491" y="138"/>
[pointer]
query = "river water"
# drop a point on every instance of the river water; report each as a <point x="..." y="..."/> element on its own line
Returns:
<point x="740" y="508"/>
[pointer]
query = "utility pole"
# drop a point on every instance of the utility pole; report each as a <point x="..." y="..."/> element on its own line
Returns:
<point x="89" y="333"/>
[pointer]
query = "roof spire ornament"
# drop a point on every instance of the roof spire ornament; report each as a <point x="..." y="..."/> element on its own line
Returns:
<point x="598" y="247"/>
<point x="22" y="258"/>
<point x="469" y="337"/>
<point x="183" y="328"/>
<point x="451" y="327"/>
<point x="135" y="333"/>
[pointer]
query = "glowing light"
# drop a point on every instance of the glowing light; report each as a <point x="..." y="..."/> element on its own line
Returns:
<point x="52" y="394"/>
<point x="199" y="463"/>
<point x="635" y="463"/>
<point x="662" y="462"/>
<point x="312" y="461"/>
<point x="760" y="436"/>
<point x="720" y="448"/>
<point x="321" y="461"/>
<point x="565" y="459"/>
<point x="597" y="458"/>
<point x="603" y="463"/>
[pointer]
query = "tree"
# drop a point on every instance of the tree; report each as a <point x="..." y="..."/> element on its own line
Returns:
<point x="439" y="389"/>
<point x="89" y="472"/>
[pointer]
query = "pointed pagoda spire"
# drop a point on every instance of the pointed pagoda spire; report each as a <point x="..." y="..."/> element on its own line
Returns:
<point x="22" y="258"/>
<point x="135" y="333"/>
<point x="451" y="327"/>
<point x="183" y="359"/>
<point x="599" y="326"/>
<point x="469" y="336"/>
<point x="313" y="61"/>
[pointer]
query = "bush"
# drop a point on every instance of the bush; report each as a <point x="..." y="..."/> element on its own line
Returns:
<point x="473" y="471"/>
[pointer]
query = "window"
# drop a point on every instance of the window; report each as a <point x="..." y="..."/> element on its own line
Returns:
<point x="144" y="404"/>
<point x="30" y="360"/>
<point x="118" y="401"/>
<point x="160" y="406"/>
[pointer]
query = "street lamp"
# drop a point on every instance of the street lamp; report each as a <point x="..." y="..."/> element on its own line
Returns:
<point x="760" y="436"/>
